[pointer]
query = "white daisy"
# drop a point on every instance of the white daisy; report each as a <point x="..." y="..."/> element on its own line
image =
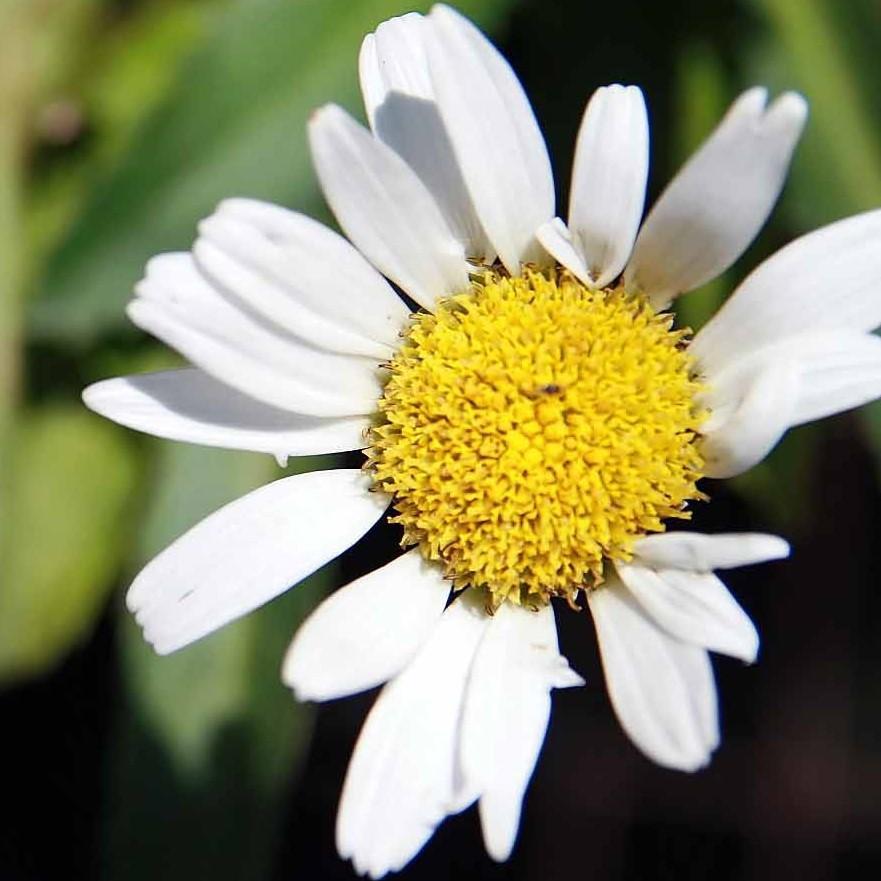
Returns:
<point x="532" y="426"/>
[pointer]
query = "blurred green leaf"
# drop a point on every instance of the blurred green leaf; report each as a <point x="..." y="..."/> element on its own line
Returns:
<point x="109" y="93"/>
<point x="233" y="125"/>
<point x="209" y="735"/>
<point x="70" y="479"/>
<point x="838" y="169"/>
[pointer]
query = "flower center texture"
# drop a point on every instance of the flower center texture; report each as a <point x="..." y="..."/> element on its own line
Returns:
<point x="531" y="429"/>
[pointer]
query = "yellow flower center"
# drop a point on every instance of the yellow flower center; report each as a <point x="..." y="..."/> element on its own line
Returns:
<point x="532" y="428"/>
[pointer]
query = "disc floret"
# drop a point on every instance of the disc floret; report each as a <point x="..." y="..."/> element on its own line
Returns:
<point x="531" y="429"/>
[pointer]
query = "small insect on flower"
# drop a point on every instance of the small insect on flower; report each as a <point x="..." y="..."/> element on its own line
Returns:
<point x="533" y="428"/>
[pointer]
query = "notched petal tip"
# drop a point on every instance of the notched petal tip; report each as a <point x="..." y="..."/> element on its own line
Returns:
<point x="790" y="106"/>
<point x="785" y="114"/>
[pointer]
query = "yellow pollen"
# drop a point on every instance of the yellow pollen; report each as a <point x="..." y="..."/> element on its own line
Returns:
<point x="531" y="429"/>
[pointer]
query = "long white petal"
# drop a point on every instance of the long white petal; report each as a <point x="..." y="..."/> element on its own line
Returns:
<point x="720" y="199"/>
<point x="189" y="405"/>
<point x="695" y="607"/>
<point x="302" y="276"/>
<point x="608" y="179"/>
<point x="249" y="552"/>
<point x="696" y="552"/>
<point x="662" y="689"/>
<point x="827" y="280"/>
<point x="837" y="370"/>
<point x="403" y="113"/>
<point x="178" y="305"/>
<point x="385" y="209"/>
<point x="366" y="632"/>
<point x="507" y="708"/>
<point x="746" y="432"/>
<point x="497" y="141"/>
<point x="402" y="779"/>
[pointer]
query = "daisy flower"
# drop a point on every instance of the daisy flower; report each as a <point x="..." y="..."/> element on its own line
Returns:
<point x="531" y="427"/>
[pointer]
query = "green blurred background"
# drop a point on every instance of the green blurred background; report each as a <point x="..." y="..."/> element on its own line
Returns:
<point x="122" y="122"/>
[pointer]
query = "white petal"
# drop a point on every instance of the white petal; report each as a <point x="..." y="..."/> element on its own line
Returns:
<point x="720" y="199"/>
<point x="837" y="370"/>
<point x="827" y="280"/>
<point x="402" y="779"/>
<point x="385" y="209"/>
<point x="556" y="238"/>
<point x="393" y="60"/>
<point x="177" y="304"/>
<point x="401" y="107"/>
<point x="366" y="632"/>
<point x="662" y="689"/>
<point x="188" y="405"/>
<point x="695" y="552"/>
<point x="507" y="708"/>
<point x="249" y="552"/>
<point x="831" y="372"/>
<point x="839" y="379"/>
<point x="744" y="434"/>
<point x="498" y="144"/>
<point x="695" y="607"/>
<point x="608" y="179"/>
<point x="302" y="276"/>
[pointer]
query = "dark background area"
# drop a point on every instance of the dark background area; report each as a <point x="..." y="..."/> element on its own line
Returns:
<point x="116" y="765"/>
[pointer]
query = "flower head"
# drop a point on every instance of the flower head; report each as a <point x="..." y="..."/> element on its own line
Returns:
<point x="533" y="427"/>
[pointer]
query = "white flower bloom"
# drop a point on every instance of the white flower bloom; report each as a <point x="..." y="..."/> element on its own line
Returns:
<point x="532" y="426"/>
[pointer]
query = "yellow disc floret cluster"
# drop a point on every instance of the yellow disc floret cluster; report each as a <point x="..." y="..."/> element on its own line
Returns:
<point x="531" y="428"/>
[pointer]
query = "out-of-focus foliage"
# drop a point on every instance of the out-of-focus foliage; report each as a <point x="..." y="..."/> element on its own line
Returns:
<point x="70" y="486"/>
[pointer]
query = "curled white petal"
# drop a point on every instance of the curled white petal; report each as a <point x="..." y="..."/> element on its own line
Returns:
<point x="837" y="370"/>
<point x="742" y="435"/>
<point x="694" y="607"/>
<point x="557" y="240"/>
